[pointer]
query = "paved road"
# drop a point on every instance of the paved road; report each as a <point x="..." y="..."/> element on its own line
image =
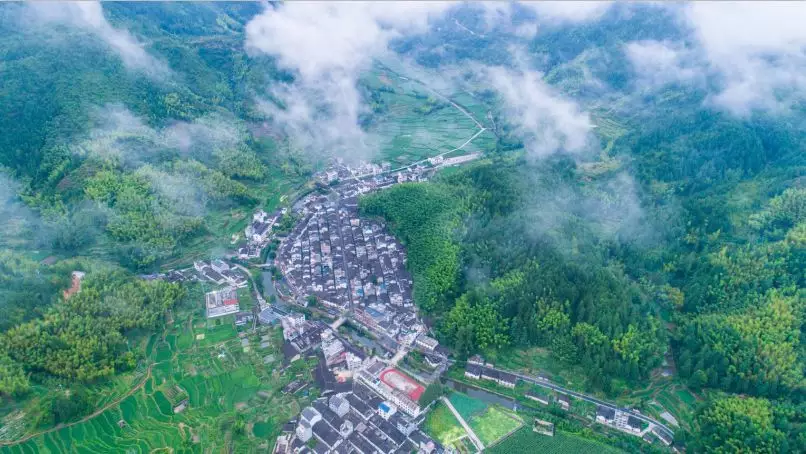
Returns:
<point x="422" y="161"/>
<point x="470" y="433"/>
<point x="587" y="398"/>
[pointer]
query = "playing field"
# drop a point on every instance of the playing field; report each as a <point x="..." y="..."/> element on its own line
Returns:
<point x="493" y="425"/>
<point x="403" y="383"/>
<point x="467" y="406"/>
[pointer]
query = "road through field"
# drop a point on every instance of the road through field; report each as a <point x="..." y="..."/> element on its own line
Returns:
<point x="476" y="441"/>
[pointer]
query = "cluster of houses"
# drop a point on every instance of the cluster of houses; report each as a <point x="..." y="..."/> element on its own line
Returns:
<point x="341" y="170"/>
<point x="628" y="423"/>
<point x="356" y="421"/>
<point x="220" y="272"/>
<point x="350" y="264"/>
<point x="216" y="272"/>
<point x="392" y="385"/>
<point x="624" y="421"/>
<point x="258" y="233"/>
<point x="366" y="406"/>
<point x="477" y="369"/>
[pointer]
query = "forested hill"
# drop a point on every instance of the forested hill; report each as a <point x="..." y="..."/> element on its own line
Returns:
<point x="123" y="138"/>
<point x="126" y="143"/>
<point x="677" y="247"/>
<point x="636" y="227"/>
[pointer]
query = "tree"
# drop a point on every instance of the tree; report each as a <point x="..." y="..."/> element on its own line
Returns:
<point x="13" y="380"/>
<point x="736" y="424"/>
<point x="432" y="392"/>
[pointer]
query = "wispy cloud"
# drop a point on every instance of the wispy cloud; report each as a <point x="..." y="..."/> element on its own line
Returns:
<point x="752" y="54"/>
<point x="328" y="45"/>
<point x="119" y="136"/>
<point x="659" y="63"/>
<point x="89" y="16"/>
<point x="546" y="120"/>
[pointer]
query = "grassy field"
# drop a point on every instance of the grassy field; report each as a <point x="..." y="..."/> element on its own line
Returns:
<point x="443" y="426"/>
<point x="467" y="406"/>
<point x="418" y="124"/>
<point x="493" y="425"/>
<point x="525" y="440"/>
<point x="233" y="396"/>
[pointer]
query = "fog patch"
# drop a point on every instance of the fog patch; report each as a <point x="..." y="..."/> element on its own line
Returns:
<point x="88" y="16"/>
<point x="543" y="118"/>
<point x="328" y="46"/>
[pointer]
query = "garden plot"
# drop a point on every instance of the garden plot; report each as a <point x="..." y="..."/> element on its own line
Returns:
<point x="490" y="423"/>
<point x="443" y="426"/>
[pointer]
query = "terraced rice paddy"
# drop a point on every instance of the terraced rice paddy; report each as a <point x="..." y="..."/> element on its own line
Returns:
<point x="525" y="440"/>
<point x="216" y="378"/>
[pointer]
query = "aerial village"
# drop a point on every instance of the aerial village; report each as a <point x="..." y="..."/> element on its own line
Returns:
<point x="347" y="268"/>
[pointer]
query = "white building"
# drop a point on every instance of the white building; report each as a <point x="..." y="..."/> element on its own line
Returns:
<point x="426" y="342"/>
<point x="339" y="405"/>
<point x="353" y="362"/>
<point x="219" y="265"/>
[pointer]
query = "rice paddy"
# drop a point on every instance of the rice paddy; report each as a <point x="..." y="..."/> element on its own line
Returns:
<point x="189" y="397"/>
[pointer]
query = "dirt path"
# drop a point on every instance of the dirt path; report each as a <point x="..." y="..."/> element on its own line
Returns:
<point x="476" y="441"/>
<point x="96" y="413"/>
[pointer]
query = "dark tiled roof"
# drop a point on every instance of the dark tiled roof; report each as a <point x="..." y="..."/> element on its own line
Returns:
<point x="605" y="412"/>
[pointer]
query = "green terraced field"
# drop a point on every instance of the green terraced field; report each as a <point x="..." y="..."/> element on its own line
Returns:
<point x="418" y="124"/>
<point x="214" y="374"/>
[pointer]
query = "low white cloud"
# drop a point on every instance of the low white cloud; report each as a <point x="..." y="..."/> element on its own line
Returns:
<point x="752" y="54"/>
<point x="756" y="49"/>
<point x="546" y="120"/>
<point x="121" y="137"/>
<point x="328" y="45"/>
<point x="571" y="11"/>
<point x="500" y="14"/>
<point x="89" y="16"/>
<point x="658" y="63"/>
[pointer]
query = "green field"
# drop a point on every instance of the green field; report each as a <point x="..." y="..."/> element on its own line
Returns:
<point x="234" y="398"/>
<point x="443" y="426"/>
<point x="417" y="124"/>
<point x="467" y="406"/>
<point x="525" y="440"/>
<point x="494" y="424"/>
<point x="490" y="423"/>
